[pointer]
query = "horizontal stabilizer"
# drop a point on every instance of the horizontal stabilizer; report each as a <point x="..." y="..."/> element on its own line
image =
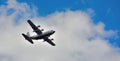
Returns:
<point x="27" y="38"/>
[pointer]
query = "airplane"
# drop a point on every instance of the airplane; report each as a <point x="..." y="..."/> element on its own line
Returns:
<point x="40" y="35"/>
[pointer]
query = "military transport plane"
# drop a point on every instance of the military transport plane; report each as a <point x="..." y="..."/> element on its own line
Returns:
<point x="40" y="35"/>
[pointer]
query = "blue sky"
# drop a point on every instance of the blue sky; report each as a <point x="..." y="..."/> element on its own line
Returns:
<point x="106" y="11"/>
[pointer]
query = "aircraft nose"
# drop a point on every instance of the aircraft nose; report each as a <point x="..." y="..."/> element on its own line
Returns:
<point x="53" y="31"/>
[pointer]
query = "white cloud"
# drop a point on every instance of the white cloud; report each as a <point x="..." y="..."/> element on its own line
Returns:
<point x="77" y="38"/>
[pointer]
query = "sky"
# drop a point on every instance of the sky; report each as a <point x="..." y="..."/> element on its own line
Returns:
<point x="86" y="30"/>
<point x="104" y="11"/>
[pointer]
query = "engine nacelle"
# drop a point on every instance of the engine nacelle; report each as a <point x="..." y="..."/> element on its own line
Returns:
<point x="42" y="29"/>
<point x="52" y="39"/>
<point x="34" y="30"/>
<point x="38" y="26"/>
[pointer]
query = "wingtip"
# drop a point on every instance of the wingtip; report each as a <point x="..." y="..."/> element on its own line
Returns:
<point x="28" y="20"/>
<point x="54" y="45"/>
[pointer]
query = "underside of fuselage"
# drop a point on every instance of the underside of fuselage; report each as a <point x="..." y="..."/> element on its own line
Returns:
<point x="43" y="35"/>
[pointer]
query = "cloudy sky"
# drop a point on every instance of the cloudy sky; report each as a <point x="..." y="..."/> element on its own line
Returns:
<point x="86" y="30"/>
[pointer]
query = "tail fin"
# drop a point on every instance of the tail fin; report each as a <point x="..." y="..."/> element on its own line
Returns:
<point x="27" y="38"/>
<point x="28" y="34"/>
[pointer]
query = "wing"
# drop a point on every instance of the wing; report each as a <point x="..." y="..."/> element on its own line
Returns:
<point x="34" y="27"/>
<point x="27" y="38"/>
<point x="49" y="41"/>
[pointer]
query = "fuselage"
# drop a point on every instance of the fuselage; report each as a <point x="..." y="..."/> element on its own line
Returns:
<point x="43" y="35"/>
